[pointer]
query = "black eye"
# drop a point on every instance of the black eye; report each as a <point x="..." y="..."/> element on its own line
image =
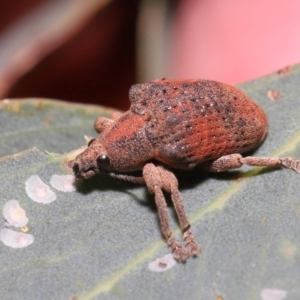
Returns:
<point x="103" y="162"/>
<point x="91" y="141"/>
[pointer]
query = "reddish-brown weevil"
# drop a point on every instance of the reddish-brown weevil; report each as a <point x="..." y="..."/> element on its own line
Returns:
<point x="177" y="124"/>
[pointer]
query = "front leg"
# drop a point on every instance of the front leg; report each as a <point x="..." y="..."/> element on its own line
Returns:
<point x="158" y="178"/>
<point x="102" y="123"/>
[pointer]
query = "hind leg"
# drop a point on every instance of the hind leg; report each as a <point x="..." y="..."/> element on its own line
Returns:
<point x="234" y="161"/>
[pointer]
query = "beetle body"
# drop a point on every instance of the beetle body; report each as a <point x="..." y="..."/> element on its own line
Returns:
<point x="177" y="124"/>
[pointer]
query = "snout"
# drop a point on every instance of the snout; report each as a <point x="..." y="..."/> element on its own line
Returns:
<point x="81" y="172"/>
<point x="85" y="164"/>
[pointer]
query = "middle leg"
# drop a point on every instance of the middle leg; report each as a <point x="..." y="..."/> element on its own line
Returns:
<point x="158" y="178"/>
<point x="154" y="183"/>
<point x="170" y="185"/>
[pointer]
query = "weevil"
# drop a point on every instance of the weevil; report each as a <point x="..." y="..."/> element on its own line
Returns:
<point x="177" y="124"/>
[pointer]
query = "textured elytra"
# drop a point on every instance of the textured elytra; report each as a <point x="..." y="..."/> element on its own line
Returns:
<point x="191" y="121"/>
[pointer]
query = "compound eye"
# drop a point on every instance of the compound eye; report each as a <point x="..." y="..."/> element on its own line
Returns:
<point x="103" y="162"/>
<point x="91" y="141"/>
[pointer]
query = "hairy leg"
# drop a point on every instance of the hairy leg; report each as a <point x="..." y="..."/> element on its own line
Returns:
<point x="101" y="123"/>
<point x="170" y="185"/>
<point x="158" y="178"/>
<point x="234" y="161"/>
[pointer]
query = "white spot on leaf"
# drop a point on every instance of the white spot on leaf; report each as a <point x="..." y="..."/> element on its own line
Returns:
<point x="38" y="191"/>
<point x="16" y="239"/>
<point x="162" y="264"/>
<point x="13" y="214"/>
<point x="64" y="183"/>
<point x="273" y="294"/>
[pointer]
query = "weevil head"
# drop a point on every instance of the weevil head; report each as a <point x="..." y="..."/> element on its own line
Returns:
<point x="120" y="149"/>
<point x="102" y="157"/>
<point x="91" y="161"/>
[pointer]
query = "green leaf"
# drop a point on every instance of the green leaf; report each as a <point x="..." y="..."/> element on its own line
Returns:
<point x="53" y="126"/>
<point x="96" y="242"/>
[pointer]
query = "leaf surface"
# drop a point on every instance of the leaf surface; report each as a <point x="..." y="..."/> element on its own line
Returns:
<point x="96" y="242"/>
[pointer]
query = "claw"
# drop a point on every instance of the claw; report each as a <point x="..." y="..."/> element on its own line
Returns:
<point x="192" y="247"/>
<point x="290" y="163"/>
<point x="178" y="251"/>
